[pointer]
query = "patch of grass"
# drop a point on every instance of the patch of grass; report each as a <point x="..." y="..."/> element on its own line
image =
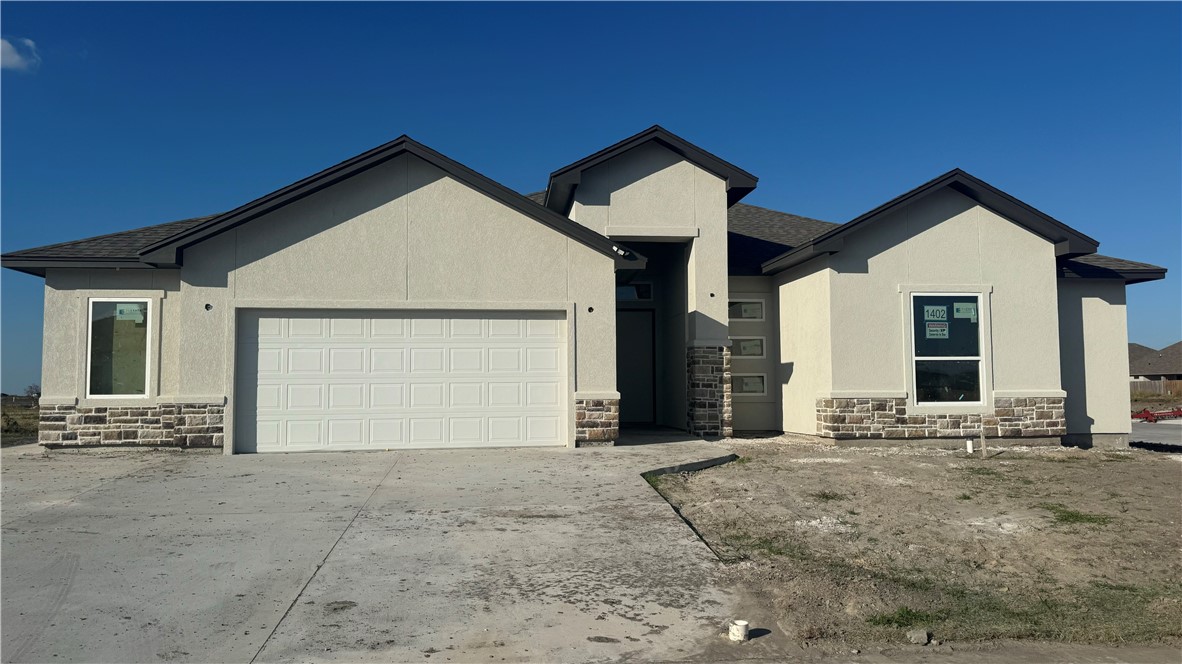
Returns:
<point x="964" y="496"/>
<point x="828" y="496"/>
<point x="1116" y="456"/>
<point x="654" y="480"/>
<point x="1066" y="515"/>
<point x="742" y="460"/>
<point x="904" y="617"/>
<point x="745" y="545"/>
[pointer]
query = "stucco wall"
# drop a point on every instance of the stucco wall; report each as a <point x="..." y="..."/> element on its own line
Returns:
<point x="63" y="372"/>
<point x="400" y="235"/>
<point x="945" y="242"/>
<point x="651" y="193"/>
<point x="805" y="368"/>
<point x="757" y="413"/>
<point x="1095" y="359"/>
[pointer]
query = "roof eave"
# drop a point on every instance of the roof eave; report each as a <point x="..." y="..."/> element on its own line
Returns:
<point x="801" y="255"/>
<point x="170" y="251"/>
<point x="38" y="266"/>
<point x="1129" y="276"/>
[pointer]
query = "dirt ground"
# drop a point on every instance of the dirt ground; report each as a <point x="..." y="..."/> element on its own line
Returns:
<point x="858" y="546"/>
<point x="18" y="424"/>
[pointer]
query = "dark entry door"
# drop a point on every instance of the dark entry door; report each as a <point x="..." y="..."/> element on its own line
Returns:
<point x="635" y="370"/>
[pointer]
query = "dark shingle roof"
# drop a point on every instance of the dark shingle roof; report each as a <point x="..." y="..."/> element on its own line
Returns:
<point x="758" y="234"/>
<point x="1137" y="351"/>
<point x="1156" y="362"/>
<point x="1097" y="266"/>
<point x="124" y="245"/>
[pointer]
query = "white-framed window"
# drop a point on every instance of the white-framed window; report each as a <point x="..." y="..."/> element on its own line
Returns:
<point x="746" y="309"/>
<point x="118" y="344"/>
<point x="750" y="348"/>
<point x="750" y="385"/>
<point x="946" y="343"/>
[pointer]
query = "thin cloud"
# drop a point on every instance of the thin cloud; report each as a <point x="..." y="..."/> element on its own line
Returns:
<point x="19" y="54"/>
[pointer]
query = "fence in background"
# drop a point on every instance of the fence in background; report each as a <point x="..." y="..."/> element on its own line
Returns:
<point x="1162" y="387"/>
<point x="13" y="400"/>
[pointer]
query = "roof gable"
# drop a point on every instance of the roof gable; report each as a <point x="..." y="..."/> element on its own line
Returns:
<point x="169" y="251"/>
<point x="560" y="191"/>
<point x="1068" y="241"/>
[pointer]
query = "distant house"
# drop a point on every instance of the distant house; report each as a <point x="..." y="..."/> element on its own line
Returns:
<point x="1149" y="364"/>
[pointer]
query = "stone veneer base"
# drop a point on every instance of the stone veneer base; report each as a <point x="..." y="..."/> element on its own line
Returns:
<point x="710" y="410"/>
<point x="185" y="425"/>
<point x="597" y="422"/>
<point x="1019" y="417"/>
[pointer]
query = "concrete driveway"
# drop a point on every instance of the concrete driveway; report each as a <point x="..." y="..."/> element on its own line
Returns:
<point x="544" y="555"/>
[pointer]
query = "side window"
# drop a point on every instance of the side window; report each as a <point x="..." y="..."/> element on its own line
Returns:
<point x="946" y="333"/>
<point x="117" y="348"/>
<point x="749" y="384"/>
<point x="746" y="310"/>
<point x="749" y="347"/>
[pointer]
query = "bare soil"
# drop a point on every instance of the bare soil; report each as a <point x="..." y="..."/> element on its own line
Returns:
<point x="862" y="545"/>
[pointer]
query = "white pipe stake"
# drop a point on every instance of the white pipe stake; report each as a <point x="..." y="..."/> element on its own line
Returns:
<point x="738" y="631"/>
<point x="968" y="446"/>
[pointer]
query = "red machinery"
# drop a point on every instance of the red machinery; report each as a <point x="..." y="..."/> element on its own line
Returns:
<point x="1151" y="416"/>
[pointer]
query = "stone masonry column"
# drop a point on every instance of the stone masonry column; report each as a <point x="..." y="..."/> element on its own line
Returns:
<point x="709" y="374"/>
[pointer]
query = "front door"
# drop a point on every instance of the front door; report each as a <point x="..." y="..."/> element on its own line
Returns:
<point x="635" y="367"/>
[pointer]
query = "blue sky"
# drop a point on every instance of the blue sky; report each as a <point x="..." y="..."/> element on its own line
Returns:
<point x="122" y="115"/>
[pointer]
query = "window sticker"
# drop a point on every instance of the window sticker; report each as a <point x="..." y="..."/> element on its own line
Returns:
<point x="931" y="312"/>
<point x="965" y="310"/>
<point x="751" y="347"/>
<point x="750" y="310"/>
<point x="936" y="330"/>
<point x="133" y="312"/>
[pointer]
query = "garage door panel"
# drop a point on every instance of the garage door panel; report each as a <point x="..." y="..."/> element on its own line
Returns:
<point x="387" y="360"/>
<point x="356" y="380"/>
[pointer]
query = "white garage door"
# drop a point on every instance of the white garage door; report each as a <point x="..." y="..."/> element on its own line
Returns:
<point x="321" y="380"/>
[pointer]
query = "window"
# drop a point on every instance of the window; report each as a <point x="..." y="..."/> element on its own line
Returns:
<point x="749" y="384"/>
<point x="748" y="347"/>
<point x="117" y="348"/>
<point x="746" y="310"/>
<point x="637" y="292"/>
<point x="946" y="342"/>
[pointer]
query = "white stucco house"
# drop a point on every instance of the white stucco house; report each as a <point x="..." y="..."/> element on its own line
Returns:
<point x="401" y="300"/>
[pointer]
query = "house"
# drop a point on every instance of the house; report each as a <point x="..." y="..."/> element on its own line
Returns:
<point x="402" y="300"/>
<point x="1148" y="364"/>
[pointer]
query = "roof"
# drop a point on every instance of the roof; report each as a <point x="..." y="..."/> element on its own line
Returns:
<point x="163" y="245"/>
<point x="563" y="182"/>
<point x="1068" y="241"/>
<point x="1137" y="351"/>
<point x="757" y="234"/>
<point x="1096" y="266"/>
<point x="112" y="250"/>
<point x="168" y="251"/>
<point x="1165" y="361"/>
